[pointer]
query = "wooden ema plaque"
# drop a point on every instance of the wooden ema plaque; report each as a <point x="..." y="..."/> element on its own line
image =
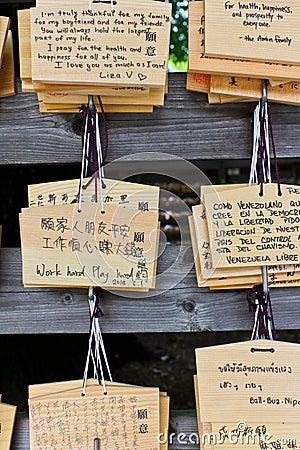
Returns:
<point x="200" y="62"/>
<point x="249" y="381"/>
<point x="248" y="230"/>
<point x="64" y="247"/>
<point x="7" y="420"/>
<point x="128" y="46"/>
<point x="127" y="417"/>
<point x="122" y="194"/>
<point x="253" y="30"/>
<point x="58" y="89"/>
<point x="284" y="274"/>
<point x="236" y="278"/>
<point x="288" y="93"/>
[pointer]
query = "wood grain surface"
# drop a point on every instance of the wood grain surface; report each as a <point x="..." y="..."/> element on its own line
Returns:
<point x="185" y="122"/>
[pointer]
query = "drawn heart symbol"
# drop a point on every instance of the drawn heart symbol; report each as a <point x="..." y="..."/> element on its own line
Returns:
<point x="142" y="77"/>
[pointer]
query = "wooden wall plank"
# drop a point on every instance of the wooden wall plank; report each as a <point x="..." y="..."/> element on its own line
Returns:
<point x="182" y="309"/>
<point x="180" y="422"/>
<point x="186" y="126"/>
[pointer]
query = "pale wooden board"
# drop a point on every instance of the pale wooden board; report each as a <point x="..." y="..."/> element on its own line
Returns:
<point x="199" y="62"/>
<point x="155" y="98"/>
<point x="64" y="192"/>
<point x="202" y="235"/>
<point x="122" y="288"/>
<point x="4" y="26"/>
<point x="264" y="219"/>
<point x="121" y="405"/>
<point x="254" y="31"/>
<point x="164" y="401"/>
<point x="7" y="419"/>
<point x="25" y="70"/>
<point x="58" y="108"/>
<point x="230" y="288"/>
<point x="26" y="84"/>
<point x="224" y="98"/>
<point x="288" y="93"/>
<point x="58" y="389"/>
<point x="128" y="23"/>
<point x="207" y="272"/>
<point x="7" y="73"/>
<point x="71" y="257"/>
<point x="24" y="43"/>
<point x="137" y="91"/>
<point x="275" y="375"/>
<point x="42" y="391"/>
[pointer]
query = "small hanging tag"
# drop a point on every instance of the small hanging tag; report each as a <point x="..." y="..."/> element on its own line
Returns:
<point x="249" y="381"/>
<point x="127" y="417"/>
<point x="200" y="62"/>
<point x="249" y="229"/>
<point x="7" y="420"/>
<point x="254" y="30"/>
<point x="7" y="73"/>
<point x="4" y="26"/>
<point x="281" y="275"/>
<point x="64" y="247"/>
<point x="128" y="46"/>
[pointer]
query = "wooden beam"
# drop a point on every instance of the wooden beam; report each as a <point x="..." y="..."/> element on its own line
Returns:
<point x="186" y="126"/>
<point x="183" y="308"/>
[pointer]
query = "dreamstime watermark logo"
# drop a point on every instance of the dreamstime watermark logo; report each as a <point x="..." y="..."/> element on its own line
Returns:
<point x="172" y="270"/>
<point x="241" y="435"/>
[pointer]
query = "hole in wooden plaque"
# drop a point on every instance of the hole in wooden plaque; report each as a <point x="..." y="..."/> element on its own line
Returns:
<point x="262" y="350"/>
<point x="106" y="1"/>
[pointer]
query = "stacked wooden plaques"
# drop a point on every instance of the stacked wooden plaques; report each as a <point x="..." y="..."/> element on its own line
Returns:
<point x="7" y="74"/>
<point x="109" y="239"/>
<point x="127" y="416"/>
<point x="235" y="232"/>
<point x="256" y="41"/>
<point x="247" y="395"/>
<point x="7" y="420"/>
<point x="116" y="50"/>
